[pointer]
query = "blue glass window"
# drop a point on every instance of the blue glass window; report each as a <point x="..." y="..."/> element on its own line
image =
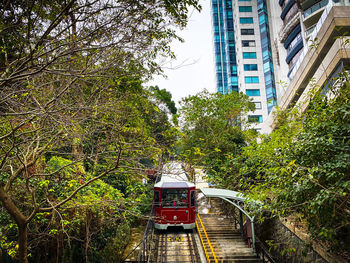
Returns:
<point x="252" y="92"/>
<point x="257" y="105"/>
<point x="262" y="19"/>
<point x="265" y="54"/>
<point x="255" y="118"/>
<point x="230" y="36"/>
<point x="249" y="54"/>
<point x="245" y="9"/>
<point x="250" y="67"/>
<point x="246" y="20"/>
<point x="251" y="79"/>
<point x="234" y="69"/>
<point x="268" y="66"/>
<point x="248" y="43"/>
<point x="234" y="80"/>
<point x="247" y="31"/>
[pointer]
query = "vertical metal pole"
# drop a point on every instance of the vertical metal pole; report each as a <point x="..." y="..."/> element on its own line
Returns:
<point x="241" y="222"/>
<point x="143" y="247"/>
<point x="253" y="235"/>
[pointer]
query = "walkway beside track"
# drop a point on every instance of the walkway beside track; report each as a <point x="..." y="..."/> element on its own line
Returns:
<point x="224" y="240"/>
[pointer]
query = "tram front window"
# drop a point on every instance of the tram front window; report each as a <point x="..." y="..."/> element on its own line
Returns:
<point x="174" y="198"/>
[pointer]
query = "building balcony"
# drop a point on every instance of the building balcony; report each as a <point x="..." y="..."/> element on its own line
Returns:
<point x="336" y="58"/>
<point x="316" y="7"/>
<point x="335" y="23"/>
<point x="314" y="35"/>
<point x="313" y="13"/>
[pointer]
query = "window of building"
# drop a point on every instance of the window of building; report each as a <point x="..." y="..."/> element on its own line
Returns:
<point x="294" y="42"/>
<point x="249" y="55"/>
<point x="295" y="58"/>
<point x="251" y="79"/>
<point x="246" y="20"/>
<point x="244" y="0"/>
<point x="255" y="118"/>
<point x="263" y="19"/>
<point x="315" y="7"/>
<point x="257" y="105"/>
<point x="245" y="9"/>
<point x="248" y="43"/>
<point x="230" y="36"/>
<point x="234" y="69"/>
<point x="250" y="67"/>
<point x="268" y="67"/>
<point x="252" y="92"/>
<point x="247" y="31"/>
<point x="291" y="13"/>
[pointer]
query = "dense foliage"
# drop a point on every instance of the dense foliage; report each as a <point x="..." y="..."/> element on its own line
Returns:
<point x="303" y="168"/>
<point x="77" y="127"/>
<point x="213" y="130"/>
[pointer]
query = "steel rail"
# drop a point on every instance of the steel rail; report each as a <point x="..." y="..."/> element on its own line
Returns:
<point x="190" y="246"/>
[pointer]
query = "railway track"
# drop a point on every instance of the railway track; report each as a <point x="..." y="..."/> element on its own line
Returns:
<point x="176" y="247"/>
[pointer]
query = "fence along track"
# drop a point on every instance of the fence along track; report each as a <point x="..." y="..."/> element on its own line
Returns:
<point x="176" y="247"/>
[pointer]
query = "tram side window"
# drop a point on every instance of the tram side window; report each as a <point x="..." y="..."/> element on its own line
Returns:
<point x="156" y="199"/>
<point x="174" y="198"/>
<point x="192" y="198"/>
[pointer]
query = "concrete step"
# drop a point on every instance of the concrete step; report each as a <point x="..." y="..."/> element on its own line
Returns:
<point x="226" y="241"/>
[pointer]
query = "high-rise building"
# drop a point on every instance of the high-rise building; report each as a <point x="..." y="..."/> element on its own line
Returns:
<point x="270" y="50"/>
<point x="315" y="36"/>
<point x="243" y="53"/>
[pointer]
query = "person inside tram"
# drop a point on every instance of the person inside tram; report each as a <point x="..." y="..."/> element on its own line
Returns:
<point x="183" y="199"/>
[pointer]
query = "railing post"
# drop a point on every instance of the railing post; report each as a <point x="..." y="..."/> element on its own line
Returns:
<point x="241" y="222"/>
<point x="253" y="234"/>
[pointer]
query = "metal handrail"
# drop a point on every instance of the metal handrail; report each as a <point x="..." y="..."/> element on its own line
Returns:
<point x="147" y="240"/>
<point x="144" y="255"/>
<point x="263" y="252"/>
<point x="209" y="243"/>
<point x="202" y="241"/>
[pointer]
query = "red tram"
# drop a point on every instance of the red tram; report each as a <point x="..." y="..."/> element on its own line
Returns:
<point x="174" y="203"/>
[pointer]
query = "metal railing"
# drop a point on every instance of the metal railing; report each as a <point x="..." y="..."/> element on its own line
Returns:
<point x="313" y="35"/>
<point x="202" y="241"/>
<point x="263" y="252"/>
<point x="315" y="8"/>
<point x="147" y="241"/>
<point x="209" y="243"/>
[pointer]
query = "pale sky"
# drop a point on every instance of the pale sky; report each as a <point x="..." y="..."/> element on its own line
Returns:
<point x="196" y="57"/>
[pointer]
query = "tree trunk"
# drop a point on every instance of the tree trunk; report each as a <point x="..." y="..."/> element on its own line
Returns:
<point x="22" y="243"/>
<point x="21" y="222"/>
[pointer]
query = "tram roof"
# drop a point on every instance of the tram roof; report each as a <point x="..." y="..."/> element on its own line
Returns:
<point x="173" y="181"/>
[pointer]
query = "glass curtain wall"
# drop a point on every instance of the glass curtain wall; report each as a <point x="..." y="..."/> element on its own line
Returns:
<point x="224" y="46"/>
<point x="267" y="55"/>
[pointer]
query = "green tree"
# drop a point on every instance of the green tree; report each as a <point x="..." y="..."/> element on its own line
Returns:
<point x="214" y="130"/>
<point x="70" y="87"/>
<point x="303" y="169"/>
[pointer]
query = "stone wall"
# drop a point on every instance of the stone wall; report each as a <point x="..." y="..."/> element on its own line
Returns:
<point x="284" y="245"/>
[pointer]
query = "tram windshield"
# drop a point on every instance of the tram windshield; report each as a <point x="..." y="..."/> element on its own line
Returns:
<point x="174" y="197"/>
